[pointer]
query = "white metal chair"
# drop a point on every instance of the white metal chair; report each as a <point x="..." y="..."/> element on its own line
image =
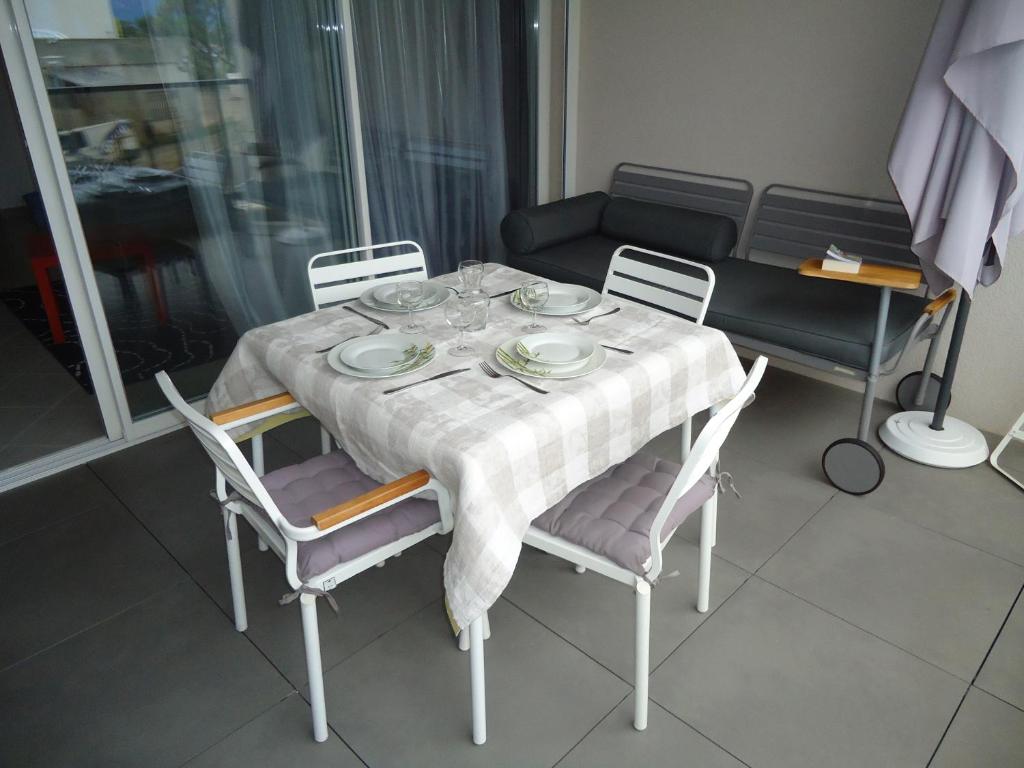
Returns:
<point x="331" y="283"/>
<point x="676" y="285"/>
<point x="322" y="543"/>
<point x="618" y="523"/>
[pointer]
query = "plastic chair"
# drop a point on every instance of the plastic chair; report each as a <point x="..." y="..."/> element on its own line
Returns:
<point x="323" y="518"/>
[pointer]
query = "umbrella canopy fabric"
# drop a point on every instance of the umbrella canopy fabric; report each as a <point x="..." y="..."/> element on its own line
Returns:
<point x="958" y="158"/>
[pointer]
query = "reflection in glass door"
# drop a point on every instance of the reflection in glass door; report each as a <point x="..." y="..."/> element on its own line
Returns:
<point x="206" y="146"/>
<point x="47" y="396"/>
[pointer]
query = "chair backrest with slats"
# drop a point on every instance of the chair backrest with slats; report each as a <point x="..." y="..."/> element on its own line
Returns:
<point x="703" y="454"/>
<point x="223" y="452"/>
<point x="658" y="280"/>
<point x="331" y="282"/>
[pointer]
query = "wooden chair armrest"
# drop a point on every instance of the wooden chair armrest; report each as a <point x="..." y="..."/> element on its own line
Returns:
<point x="881" y="275"/>
<point x="254" y="408"/>
<point x="385" y="493"/>
<point x="940" y="301"/>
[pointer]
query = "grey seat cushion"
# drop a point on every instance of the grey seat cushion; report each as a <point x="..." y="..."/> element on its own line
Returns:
<point x="583" y="261"/>
<point x="302" y="490"/>
<point x="825" y="318"/>
<point x="612" y="514"/>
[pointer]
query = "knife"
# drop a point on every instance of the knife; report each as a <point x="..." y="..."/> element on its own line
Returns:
<point x="424" y="381"/>
<point x="506" y="293"/>
<point x="367" y="317"/>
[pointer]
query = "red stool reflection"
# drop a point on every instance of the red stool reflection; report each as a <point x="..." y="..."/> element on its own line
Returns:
<point x="43" y="257"/>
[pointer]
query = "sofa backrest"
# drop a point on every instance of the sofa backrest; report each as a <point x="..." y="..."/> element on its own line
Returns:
<point x="533" y="229"/>
<point x="723" y="195"/>
<point x="694" y="235"/>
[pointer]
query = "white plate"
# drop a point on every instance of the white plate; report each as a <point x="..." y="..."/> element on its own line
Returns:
<point x="593" y="299"/>
<point x="382" y="353"/>
<point x="434" y="295"/>
<point x="527" y="368"/>
<point x="566" y="297"/>
<point x="334" y="360"/>
<point x="555" y="348"/>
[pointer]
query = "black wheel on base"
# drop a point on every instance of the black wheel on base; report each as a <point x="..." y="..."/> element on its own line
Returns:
<point x="853" y="466"/>
<point x="906" y="391"/>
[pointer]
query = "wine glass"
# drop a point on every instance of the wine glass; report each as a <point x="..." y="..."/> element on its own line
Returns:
<point x="534" y="295"/>
<point x="410" y="296"/>
<point x="471" y="274"/>
<point x="460" y="312"/>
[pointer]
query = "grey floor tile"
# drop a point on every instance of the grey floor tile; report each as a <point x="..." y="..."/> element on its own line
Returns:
<point x="772" y="507"/>
<point x="986" y="731"/>
<point x="975" y="505"/>
<point x="39" y="389"/>
<point x="166" y="483"/>
<point x="615" y="743"/>
<point x="1003" y="673"/>
<point x="46" y="501"/>
<point x="936" y="598"/>
<point x="69" y="422"/>
<point x="596" y="614"/>
<point x="75" y="573"/>
<point x="404" y="700"/>
<point x="778" y="682"/>
<point x="794" y="419"/>
<point x="279" y="738"/>
<point x="370" y="604"/>
<point x="152" y="687"/>
<point x="14" y="421"/>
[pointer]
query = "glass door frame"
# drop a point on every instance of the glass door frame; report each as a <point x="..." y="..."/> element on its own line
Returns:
<point x="41" y="137"/>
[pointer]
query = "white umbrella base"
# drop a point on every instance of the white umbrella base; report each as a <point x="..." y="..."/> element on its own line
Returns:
<point x="956" y="446"/>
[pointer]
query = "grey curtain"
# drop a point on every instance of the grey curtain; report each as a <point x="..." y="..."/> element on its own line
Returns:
<point x="430" y="94"/>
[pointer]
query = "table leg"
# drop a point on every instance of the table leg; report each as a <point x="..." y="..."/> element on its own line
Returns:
<point x="476" y="674"/>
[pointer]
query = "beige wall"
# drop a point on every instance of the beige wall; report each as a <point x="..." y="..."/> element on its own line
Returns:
<point x="801" y="92"/>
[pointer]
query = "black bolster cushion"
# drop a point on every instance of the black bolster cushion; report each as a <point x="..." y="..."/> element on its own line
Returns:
<point x="542" y="226"/>
<point x="693" y="235"/>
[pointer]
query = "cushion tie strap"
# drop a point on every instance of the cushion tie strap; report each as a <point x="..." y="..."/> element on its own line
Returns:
<point x="723" y="482"/>
<point x="305" y="589"/>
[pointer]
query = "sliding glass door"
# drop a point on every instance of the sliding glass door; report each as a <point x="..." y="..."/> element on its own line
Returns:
<point x="205" y="142"/>
<point x="197" y="153"/>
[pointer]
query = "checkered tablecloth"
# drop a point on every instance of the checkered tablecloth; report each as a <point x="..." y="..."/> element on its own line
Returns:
<point x="505" y="453"/>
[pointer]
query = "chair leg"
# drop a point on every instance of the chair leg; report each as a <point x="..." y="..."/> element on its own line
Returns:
<point x="235" y="571"/>
<point x="464" y="641"/>
<point x="707" y="535"/>
<point x="311" y="637"/>
<point x="325" y="441"/>
<point x="687" y="440"/>
<point x="487" y="626"/>
<point x="643" y="653"/>
<point x="477" y="680"/>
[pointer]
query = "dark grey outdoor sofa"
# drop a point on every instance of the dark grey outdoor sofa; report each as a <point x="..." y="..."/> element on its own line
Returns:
<point x="761" y="299"/>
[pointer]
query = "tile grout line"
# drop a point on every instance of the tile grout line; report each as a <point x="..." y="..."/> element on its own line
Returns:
<point x="593" y="728"/>
<point x="859" y="628"/>
<point x="974" y="679"/>
<point x="188" y="573"/>
<point x="93" y="626"/>
<point x="216" y="605"/>
<point x="694" y="728"/>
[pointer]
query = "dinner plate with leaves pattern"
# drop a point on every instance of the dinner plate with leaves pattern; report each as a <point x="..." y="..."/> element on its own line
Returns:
<point x="410" y="352"/>
<point x="509" y="358"/>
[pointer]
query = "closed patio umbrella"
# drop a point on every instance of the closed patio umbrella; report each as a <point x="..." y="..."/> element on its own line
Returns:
<point x="958" y="166"/>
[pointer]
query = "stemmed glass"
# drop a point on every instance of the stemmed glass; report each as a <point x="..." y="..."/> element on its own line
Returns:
<point x="410" y="296"/>
<point x="534" y="295"/>
<point x="471" y="274"/>
<point x="460" y="312"/>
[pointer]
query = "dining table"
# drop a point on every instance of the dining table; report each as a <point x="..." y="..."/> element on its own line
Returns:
<point x="505" y="452"/>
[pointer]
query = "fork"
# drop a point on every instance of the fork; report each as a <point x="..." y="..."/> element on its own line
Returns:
<point x="495" y="375"/>
<point x="375" y="331"/>
<point x="589" y="320"/>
